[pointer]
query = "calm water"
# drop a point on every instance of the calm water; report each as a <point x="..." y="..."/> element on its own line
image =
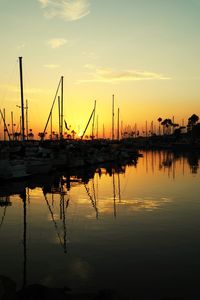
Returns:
<point x="136" y="231"/>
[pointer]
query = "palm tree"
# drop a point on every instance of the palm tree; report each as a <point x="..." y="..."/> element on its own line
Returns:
<point x="30" y="134"/>
<point x="42" y="134"/>
<point x="73" y="134"/>
<point x="167" y="123"/>
<point x="17" y="135"/>
<point x="159" y="120"/>
<point x="192" y="121"/>
<point x="174" y="126"/>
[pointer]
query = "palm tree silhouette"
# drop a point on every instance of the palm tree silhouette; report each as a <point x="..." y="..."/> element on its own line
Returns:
<point x="159" y="120"/>
<point x="192" y="121"/>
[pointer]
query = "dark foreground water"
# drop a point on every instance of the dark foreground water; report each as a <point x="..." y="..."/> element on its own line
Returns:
<point x="135" y="230"/>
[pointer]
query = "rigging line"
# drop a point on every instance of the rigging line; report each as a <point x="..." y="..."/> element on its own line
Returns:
<point x="87" y="124"/>
<point x="67" y="203"/>
<point x="95" y="198"/>
<point x="52" y="200"/>
<point x="24" y="239"/>
<point x="114" y="195"/>
<point x="94" y="192"/>
<point x="5" y="125"/>
<point x="61" y="213"/>
<point x="68" y="198"/>
<point x="126" y="182"/>
<point x="3" y="217"/>
<point x="52" y="216"/>
<point x="119" y="187"/>
<point x="64" y="225"/>
<point x="92" y="201"/>
<point x="97" y="189"/>
<point x="93" y="119"/>
<point x="52" y="106"/>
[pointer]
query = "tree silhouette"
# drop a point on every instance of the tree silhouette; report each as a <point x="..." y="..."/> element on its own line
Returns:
<point x="30" y="134"/>
<point x="17" y="135"/>
<point x="159" y="120"/>
<point x="42" y="134"/>
<point x="192" y="121"/>
<point x="167" y="124"/>
<point x="196" y="131"/>
<point x="73" y="134"/>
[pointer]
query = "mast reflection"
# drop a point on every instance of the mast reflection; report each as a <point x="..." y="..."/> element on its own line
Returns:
<point x="170" y="161"/>
<point x="56" y="188"/>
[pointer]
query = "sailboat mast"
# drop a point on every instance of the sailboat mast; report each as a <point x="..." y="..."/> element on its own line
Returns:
<point x="4" y="118"/>
<point x="22" y="97"/>
<point x="59" y="126"/>
<point x="113" y="116"/>
<point x="51" y="125"/>
<point x="146" y="129"/>
<point x="12" y="125"/>
<point x="93" y="120"/>
<point x="5" y="126"/>
<point x="61" y="109"/>
<point x="118" y="124"/>
<point x="114" y="195"/>
<point x="26" y="119"/>
<point x="23" y="197"/>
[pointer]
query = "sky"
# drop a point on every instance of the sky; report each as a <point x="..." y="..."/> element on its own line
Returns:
<point x="145" y="52"/>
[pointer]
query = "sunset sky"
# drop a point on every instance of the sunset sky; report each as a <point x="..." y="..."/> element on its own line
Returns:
<point x="145" y="52"/>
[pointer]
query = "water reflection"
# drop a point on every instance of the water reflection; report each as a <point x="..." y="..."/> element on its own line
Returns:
<point x="172" y="161"/>
<point x="109" y="206"/>
<point x="23" y="196"/>
<point x="63" y="207"/>
<point x="56" y="185"/>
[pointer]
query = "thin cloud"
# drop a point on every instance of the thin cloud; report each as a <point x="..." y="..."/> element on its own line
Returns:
<point x="51" y="66"/>
<point x="57" y="42"/>
<point x="19" y="47"/>
<point x="110" y="75"/>
<point x="16" y="89"/>
<point x="68" y="10"/>
<point x="44" y="3"/>
<point x="89" y="67"/>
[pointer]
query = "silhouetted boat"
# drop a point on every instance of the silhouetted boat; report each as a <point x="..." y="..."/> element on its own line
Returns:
<point x="12" y="169"/>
